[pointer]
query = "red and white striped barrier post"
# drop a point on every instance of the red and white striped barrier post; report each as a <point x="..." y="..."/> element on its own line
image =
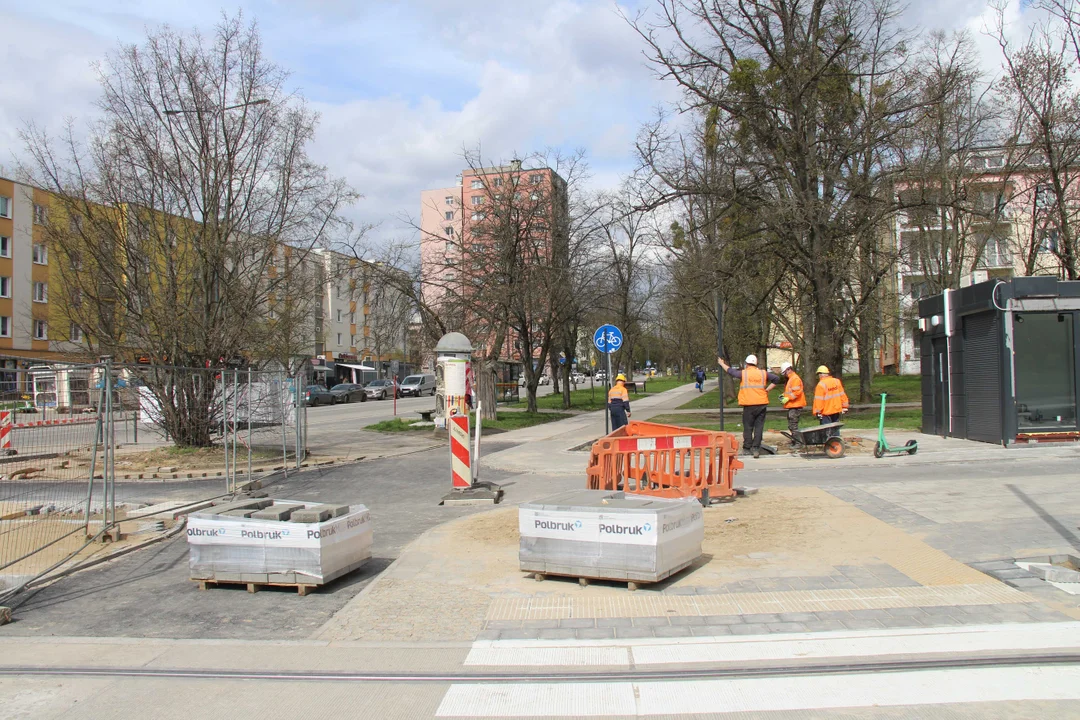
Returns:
<point x="460" y="457"/>
<point x="5" y="431"/>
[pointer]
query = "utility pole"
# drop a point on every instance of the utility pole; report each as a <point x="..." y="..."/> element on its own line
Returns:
<point x="720" y="352"/>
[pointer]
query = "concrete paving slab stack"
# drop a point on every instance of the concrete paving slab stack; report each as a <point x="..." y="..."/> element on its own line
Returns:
<point x="602" y="534"/>
<point x="278" y="541"/>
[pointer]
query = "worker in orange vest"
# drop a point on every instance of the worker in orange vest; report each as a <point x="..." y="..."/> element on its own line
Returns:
<point x="618" y="401"/>
<point x="754" y="387"/>
<point x="794" y="399"/>
<point x="830" y="399"/>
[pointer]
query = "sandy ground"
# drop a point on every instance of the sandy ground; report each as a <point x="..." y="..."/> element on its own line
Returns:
<point x="443" y="582"/>
<point x="18" y="537"/>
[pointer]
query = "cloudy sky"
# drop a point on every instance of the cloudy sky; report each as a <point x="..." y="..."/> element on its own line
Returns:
<point x="401" y="86"/>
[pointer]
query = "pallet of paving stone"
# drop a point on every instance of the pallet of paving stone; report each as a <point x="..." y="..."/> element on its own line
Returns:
<point x="257" y="581"/>
<point x="277" y="542"/>
<point x="606" y="535"/>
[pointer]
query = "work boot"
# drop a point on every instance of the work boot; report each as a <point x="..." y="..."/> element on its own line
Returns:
<point x="757" y="453"/>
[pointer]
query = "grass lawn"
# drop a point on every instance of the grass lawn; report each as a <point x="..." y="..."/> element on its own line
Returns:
<point x="901" y="388"/>
<point x="903" y="419"/>
<point x="506" y="421"/>
<point x="585" y="399"/>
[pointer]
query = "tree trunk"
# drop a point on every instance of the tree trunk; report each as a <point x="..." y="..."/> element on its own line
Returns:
<point x="486" y="378"/>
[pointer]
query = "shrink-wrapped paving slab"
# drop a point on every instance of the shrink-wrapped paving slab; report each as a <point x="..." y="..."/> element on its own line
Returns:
<point x="609" y="535"/>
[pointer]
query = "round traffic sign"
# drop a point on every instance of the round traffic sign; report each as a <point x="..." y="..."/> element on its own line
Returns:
<point x="607" y="338"/>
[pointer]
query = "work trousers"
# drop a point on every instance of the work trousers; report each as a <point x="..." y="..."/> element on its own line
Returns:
<point x="826" y="419"/>
<point x="793" y="415"/>
<point x="618" y="418"/>
<point x="753" y="423"/>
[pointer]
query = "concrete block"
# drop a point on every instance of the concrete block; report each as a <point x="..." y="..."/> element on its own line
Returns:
<point x="750" y="629"/>
<point x="744" y="491"/>
<point x="595" y="633"/>
<point x="1055" y="574"/>
<point x="651" y="622"/>
<point x="577" y="623"/>
<point x="337" y="510"/>
<point x="239" y="512"/>
<point x="710" y="630"/>
<point x="314" y="514"/>
<point x="619" y="622"/>
<point x="556" y="634"/>
<point x="282" y="577"/>
<point x="276" y="512"/>
<point x="687" y="620"/>
<point x="633" y="632"/>
<point x="245" y="504"/>
<point x="672" y="631"/>
<point x="253" y="577"/>
<point x="787" y="627"/>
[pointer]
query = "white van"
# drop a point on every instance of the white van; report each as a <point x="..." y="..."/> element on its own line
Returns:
<point x="417" y="385"/>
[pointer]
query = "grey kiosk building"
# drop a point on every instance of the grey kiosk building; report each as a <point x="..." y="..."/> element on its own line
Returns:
<point x="1001" y="361"/>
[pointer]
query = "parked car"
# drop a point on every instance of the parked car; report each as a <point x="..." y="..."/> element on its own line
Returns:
<point x="544" y="380"/>
<point x="317" y="395"/>
<point x="348" y="392"/>
<point x="577" y="379"/>
<point x="417" y="385"/>
<point x="379" y="389"/>
<point x="601" y="376"/>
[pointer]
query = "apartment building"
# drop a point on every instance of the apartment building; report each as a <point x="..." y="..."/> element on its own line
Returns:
<point x="33" y="326"/>
<point x="1003" y="228"/>
<point x="456" y="234"/>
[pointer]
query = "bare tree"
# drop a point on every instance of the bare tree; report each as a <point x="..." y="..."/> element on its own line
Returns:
<point x="171" y="217"/>
<point x="1038" y="88"/>
<point x="810" y="98"/>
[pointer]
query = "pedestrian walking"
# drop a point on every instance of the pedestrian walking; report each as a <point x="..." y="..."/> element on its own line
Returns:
<point x="830" y="399"/>
<point x="700" y="375"/>
<point x="754" y="387"/>
<point x="618" y="400"/>
<point x="794" y="400"/>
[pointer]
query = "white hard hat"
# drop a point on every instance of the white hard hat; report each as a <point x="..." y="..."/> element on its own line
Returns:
<point x="751" y="359"/>
<point x="784" y="367"/>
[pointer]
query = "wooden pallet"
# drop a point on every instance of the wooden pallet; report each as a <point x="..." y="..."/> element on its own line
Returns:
<point x="253" y="587"/>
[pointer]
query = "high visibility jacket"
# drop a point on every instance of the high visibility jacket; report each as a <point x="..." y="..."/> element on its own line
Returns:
<point x="829" y="396"/>
<point x="752" y="386"/>
<point x="793" y="391"/>
<point x="617" y="397"/>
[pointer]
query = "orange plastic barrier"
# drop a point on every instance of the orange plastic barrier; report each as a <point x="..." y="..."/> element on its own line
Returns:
<point x="666" y="461"/>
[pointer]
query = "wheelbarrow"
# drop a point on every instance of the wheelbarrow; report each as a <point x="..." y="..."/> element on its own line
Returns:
<point x="820" y="435"/>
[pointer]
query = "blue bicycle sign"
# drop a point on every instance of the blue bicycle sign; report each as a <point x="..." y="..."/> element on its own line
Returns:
<point x="607" y="338"/>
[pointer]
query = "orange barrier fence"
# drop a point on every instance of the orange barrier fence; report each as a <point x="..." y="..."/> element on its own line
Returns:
<point x="665" y="461"/>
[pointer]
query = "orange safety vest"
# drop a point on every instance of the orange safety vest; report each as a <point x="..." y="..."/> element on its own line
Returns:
<point x="793" y="391"/>
<point x="829" y="396"/>
<point x="618" y="392"/>
<point x="752" y="387"/>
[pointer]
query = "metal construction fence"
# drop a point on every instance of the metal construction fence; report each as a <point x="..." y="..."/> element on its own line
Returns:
<point x="76" y="439"/>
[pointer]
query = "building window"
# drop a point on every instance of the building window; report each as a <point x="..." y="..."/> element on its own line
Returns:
<point x="477" y="216"/>
<point x="352" y="318"/>
<point x="535" y="179"/>
<point x="448" y="231"/>
<point x="449" y="199"/>
<point x="41" y="330"/>
<point x="449" y="215"/>
<point x="41" y="292"/>
<point x="498" y="182"/>
<point x="5" y="209"/>
<point x="339" y="338"/>
<point x="5" y="287"/>
<point x="5" y="246"/>
<point x="476" y="184"/>
<point x="477" y="199"/>
<point x="1048" y="240"/>
<point x="76" y="298"/>
<point x="41" y="214"/>
<point x="76" y="260"/>
<point x="41" y="254"/>
<point x="76" y="333"/>
<point x="339" y="316"/>
<point x="5" y="326"/>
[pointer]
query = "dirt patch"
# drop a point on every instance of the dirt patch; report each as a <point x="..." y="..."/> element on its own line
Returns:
<point x="496" y="528"/>
<point x="189" y="458"/>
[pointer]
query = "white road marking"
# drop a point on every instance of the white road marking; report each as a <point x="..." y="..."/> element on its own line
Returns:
<point x="914" y="688"/>
<point x="661" y="651"/>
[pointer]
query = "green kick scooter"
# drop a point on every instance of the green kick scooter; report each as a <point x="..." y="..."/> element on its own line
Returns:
<point x="882" y="448"/>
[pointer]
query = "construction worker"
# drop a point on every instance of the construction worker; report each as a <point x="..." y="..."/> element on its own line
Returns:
<point x="794" y="399"/>
<point x="830" y="400"/>
<point x="618" y="402"/>
<point x="754" y="387"/>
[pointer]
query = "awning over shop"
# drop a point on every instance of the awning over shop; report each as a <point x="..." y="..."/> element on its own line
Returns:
<point x="357" y="370"/>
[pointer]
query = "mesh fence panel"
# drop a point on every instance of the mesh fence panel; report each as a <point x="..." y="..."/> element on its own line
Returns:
<point x="68" y="430"/>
